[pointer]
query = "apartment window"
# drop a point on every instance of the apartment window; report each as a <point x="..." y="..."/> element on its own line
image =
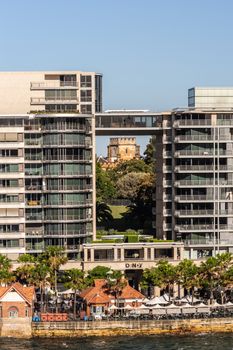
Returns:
<point x="86" y="109"/>
<point x="8" y="153"/>
<point x="9" y="183"/>
<point x="61" y="108"/>
<point x="9" y="168"/>
<point x="8" y="137"/>
<point x="9" y="228"/>
<point x="60" y="95"/>
<point x="85" y="81"/>
<point x="9" y="243"/>
<point x="86" y="95"/>
<point x="68" y="80"/>
<point x="10" y="122"/>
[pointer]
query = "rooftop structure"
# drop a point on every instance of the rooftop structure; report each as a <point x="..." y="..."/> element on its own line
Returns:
<point x="210" y="97"/>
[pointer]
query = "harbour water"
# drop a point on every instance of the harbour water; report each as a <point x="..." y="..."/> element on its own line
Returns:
<point x="215" y="341"/>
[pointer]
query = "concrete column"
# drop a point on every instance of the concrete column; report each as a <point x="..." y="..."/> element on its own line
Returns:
<point x="175" y="253"/>
<point x="181" y="253"/>
<point x="122" y="254"/>
<point x="156" y="291"/>
<point x="145" y="254"/>
<point x="85" y="253"/>
<point x="115" y="254"/>
<point x="152" y="254"/>
<point x="92" y="255"/>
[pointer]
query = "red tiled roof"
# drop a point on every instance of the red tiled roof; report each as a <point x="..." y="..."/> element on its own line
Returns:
<point x="27" y="293"/>
<point x="98" y="294"/>
<point x="130" y="293"/>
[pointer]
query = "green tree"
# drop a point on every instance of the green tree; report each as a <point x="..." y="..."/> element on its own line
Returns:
<point x="214" y="270"/>
<point x="149" y="153"/>
<point x="74" y="279"/>
<point x="129" y="166"/>
<point x="209" y="275"/>
<point x="115" y="283"/>
<point x="54" y="257"/>
<point x="103" y="213"/>
<point x="188" y="275"/>
<point x="98" y="272"/>
<point x="26" y="268"/>
<point x="6" y="275"/>
<point x="164" y="275"/>
<point x="129" y="185"/>
<point x="39" y="278"/>
<point x="104" y="186"/>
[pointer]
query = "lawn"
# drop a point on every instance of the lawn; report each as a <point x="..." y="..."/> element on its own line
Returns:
<point x="118" y="210"/>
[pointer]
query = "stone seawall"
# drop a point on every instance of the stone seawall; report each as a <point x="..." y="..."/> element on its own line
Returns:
<point x="112" y="328"/>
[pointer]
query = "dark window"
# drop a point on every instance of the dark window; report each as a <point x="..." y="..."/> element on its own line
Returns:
<point x="86" y="109"/>
<point x="85" y="81"/>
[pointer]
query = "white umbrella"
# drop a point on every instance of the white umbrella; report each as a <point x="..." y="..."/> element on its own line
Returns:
<point x="157" y="301"/>
<point x="145" y="300"/>
<point x="128" y="307"/>
<point x="202" y="308"/>
<point x="142" y="307"/>
<point x="189" y="299"/>
<point x="112" y="307"/>
<point x="215" y="304"/>
<point x="158" y="310"/>
<point x="173" y="309"/>
<point x="228" y="304"/>
<point x="68" y="291"/>
<point x="188" y="309"/>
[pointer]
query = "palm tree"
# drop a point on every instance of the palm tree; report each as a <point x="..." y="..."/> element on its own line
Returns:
<point x="166" y="275"/>
<point x="25" y="270"/>
<point x="74" y="279"/>
<point x="209" y="275"/>
<point x="188" y="276"/>
<point x="54" y="257"/>
<point x="6" y="275"/>
<point x="39" y="278"/>
<point x="103" y="213"/>
<point x="212" y="271"/>
<point x="115" y="283"/>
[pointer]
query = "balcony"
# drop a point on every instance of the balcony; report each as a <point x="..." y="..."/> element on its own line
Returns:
<point x="193" y="183"/>
<point x="208" y="242"/>
<point x="192" y="122"/>
<point x="192" y="168"/>
<point x="55" y="84"/>
<point x="43" y="101"/>
<point x="203" y="168"/>
<point x="203" y="227"/>
<point x="191" y="228"/>
<point x="193" y="138"/>
<point x="192" y="213"/>
<point x="167" y="183"/>
<point x="194" y="198"/>
<point x="167" y="154"/>
<point x="200" y="183"/>
<point x="194" y="153"/>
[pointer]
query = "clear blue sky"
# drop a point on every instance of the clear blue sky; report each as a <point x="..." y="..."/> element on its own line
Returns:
<point x="150" y="51"/>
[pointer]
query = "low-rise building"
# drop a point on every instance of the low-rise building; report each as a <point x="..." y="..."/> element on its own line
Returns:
<point x="98" y="299"/>
<point x="16" y="309"/>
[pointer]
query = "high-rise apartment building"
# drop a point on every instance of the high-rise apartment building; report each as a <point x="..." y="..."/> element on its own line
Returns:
<point x="194" y="183"/>
<point x="46" y="160"/>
